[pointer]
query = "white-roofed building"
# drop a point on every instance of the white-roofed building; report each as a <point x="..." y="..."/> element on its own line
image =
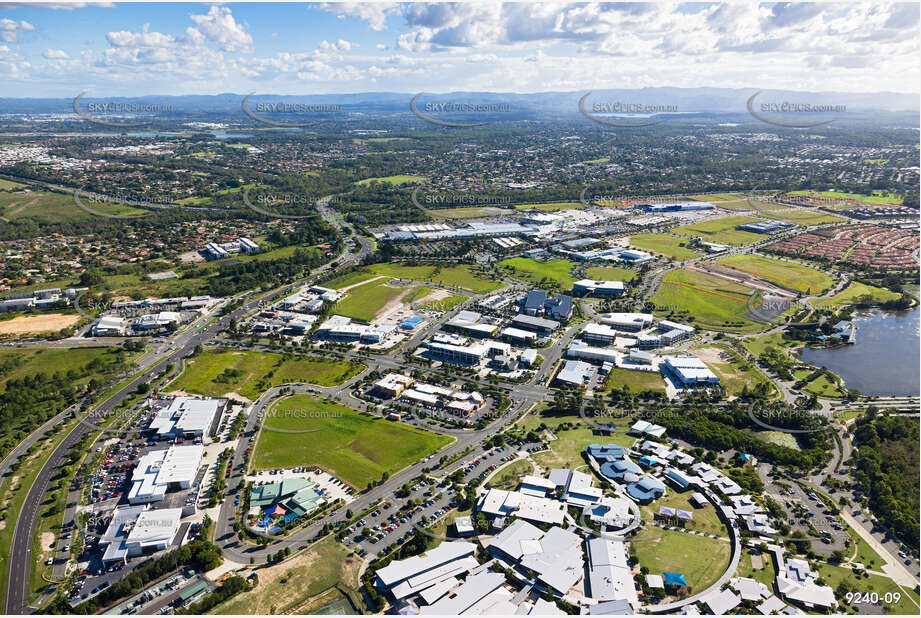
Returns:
<point x="158" y="472"/>
<point x="632" y="322"/>
<point x="404" y="578"/>
<point x="689" y="370"/>
<point x="476" y="592"/>
<point x="599" y="333"/>
<point x="610" y="576"/>
<point x="136" y="530"/>
<point x="186" y="417"/>
<point x="110" y="326"/>
<point x="575" y="373"/>
<point x="579" y="349"/>
<point x="502" y="503"/>
<point x="598" y="288"/>
<point x="722" y="601"/>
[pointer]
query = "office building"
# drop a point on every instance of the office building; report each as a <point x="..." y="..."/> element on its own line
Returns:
<point x="689" y="371"/>
<point x="575" y="373"/>
<point x="137" y="530"/>
<point x="185" y="417"/>
<point x="159" y="472"/>
<point x="590" y="287"/>
<point x="539" y="325"/>
<point x="110" y="326"/>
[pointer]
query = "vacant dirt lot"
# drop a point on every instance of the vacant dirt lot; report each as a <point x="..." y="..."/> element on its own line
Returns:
<point x="49" y="322"/>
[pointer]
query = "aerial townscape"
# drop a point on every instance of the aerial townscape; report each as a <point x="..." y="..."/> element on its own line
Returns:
<point x="460" y="308"/>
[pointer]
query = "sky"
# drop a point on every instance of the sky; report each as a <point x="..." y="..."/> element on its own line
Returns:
<point x="136" y="49"/>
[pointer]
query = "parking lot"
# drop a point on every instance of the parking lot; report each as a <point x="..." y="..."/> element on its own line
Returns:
<point x="393" y="522"/>
<point x="804" y="509"/>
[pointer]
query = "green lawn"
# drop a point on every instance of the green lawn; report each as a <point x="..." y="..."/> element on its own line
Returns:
<point x="722" y="230"/>
<point x="799" y="216"/>
<point x="30" y="361"/>
<point x="766" y="574"/>
<point x="322" y="567"/>
<point x="781" y="272"/>
<point x="611" y="273"/>
<point x="400" y="179"/>
<point x="664" y="244"/>
<point x="258" y="371"/>
<point x="445" y="304"/>
<point x="637" y="381"/>
<point x="364" y="301"/>
<point x="705" y="519"/>
<point x="821" y="386"/>
<point x="552" y="274"/>
<point x="550" y="207"/>
<point x="834" y="575"/>
<point x="461" y="213"/>
<point x="566" y="450"/>
<point x="348" y="279"/>
<point x="509" y="477"/>
<point x="719" y="197"/>
<point x="462" y="276"/>
<point x="355" y="447"/>
<point x="712" y="302"/>
<point x="48" y="207"/>
<point x="701" y="559"/>
<point x="878" y="197"/>
<point x="855" y="292"/>
<point x="9" y="185"/>
<point x="757" y="345"/>
<point x="734" y="372"/>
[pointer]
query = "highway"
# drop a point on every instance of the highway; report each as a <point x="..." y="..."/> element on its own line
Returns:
<point x="17" y="601"/>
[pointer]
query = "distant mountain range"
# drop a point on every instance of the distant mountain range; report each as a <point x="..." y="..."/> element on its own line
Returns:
<point x="687" y="100"/>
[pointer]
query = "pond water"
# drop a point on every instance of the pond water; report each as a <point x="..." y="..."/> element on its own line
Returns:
<point x="885" y="359"/>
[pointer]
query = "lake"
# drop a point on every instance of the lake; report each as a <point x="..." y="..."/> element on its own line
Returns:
<point x="885" y="359"/>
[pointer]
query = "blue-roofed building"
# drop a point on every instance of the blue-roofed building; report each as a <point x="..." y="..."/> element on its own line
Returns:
<point x="621" y="470"/>
<point x="679" y="478"/>
<point x="606" y="452"/>
<point x="534" y="302"/>
<point x="559" y="308"/>
<point x="674" y="579"/>
<point x="411" y="323"/>
<point x="648" y="462"/>
<point x="646" y="489"/>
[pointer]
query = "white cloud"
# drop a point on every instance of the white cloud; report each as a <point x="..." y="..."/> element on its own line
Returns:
<point x="10" y="29"/>
<point x="219" y="26"/>
<point x="375" y="13"/>
<point x="56" y="54"/>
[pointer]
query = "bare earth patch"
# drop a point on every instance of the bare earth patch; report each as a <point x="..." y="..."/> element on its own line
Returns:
<point x="436" y="294"/>
<point x="49" y="322"/>
<point x="354" y="285"/>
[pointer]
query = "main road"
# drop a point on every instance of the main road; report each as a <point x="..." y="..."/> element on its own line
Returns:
<point x="20" y="565"/>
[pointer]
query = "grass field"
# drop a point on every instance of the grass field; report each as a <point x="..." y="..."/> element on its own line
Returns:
<point x="781" y="272"/>
<point x="712" y="302"/>
<point x="284" y="586"/>
<point x="705" y="520"/>
<point x="637" y="381"/>
<point x="664" y="244"/>
<point x="400" y="179"/>
<point x="463" y="276"/>
<point x="462" y="213"/>
<point x="853" y="293"/>
<point x="445" y="304"/>
<point x="718" y="197"/>
<point x="552" y="274"/>
<point x="566" y="450"/>
<point x="9" y="185"/>
<point x="30" y="361"/>
<point x="355" y="447"/>
<point x="47" y="207"/>
<point x="551" y="207"/>
<point x="757" y="345"/>
<point x="611" y="273"/>
<point x="766" y="574"/>
<point x="509" y="476"/>
<point x="799" y="216"/>
<point x="821" y="386"/>
<point x="878" y="197"/>
<point x="834" y="575"/>
<point x="701" y="559"/>
<point x="734" y="372"/>
<point x="722" y="230"/>
<point x="259" y="371"/>
<point x="364" y="301"/>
